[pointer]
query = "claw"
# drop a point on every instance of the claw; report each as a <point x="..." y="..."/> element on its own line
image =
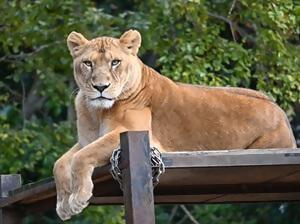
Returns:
<point x="63" y="213"/>
<point x="77" y="204"/>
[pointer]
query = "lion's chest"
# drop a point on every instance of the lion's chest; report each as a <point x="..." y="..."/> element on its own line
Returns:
<point x="90" y="130"/>
<point x="104" y="127"/>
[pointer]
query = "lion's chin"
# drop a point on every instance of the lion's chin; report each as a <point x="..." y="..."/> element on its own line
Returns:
<point x="102" y="103"/>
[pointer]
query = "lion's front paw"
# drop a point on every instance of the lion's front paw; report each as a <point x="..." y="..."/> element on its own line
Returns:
<point x="82" y="184"/>
<point x="63" y="209"/>
<point x="78" y="201"/>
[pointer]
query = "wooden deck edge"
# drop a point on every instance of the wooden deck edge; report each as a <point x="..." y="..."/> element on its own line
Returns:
<point x="225" y="158"/>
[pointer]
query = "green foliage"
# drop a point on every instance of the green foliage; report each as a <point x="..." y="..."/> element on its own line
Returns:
<point x="45" y="142"/>
<point x="249" y="48"/>
<point x="251" y="44"/>
<point x="234" y="214"/>
<point x="91" y="215"/>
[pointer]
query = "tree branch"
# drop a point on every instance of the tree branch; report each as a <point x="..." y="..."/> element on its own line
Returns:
<point x="232" y="7"/>
<point x="182" y="219"/>
<point x="191" y="217"/>
<point x="219" y="17"/>
<point x="70" y="109"/>
<point x="23" y="103"/>
<point x="33" y="101"/>
<point x="22" y="55"/>
<point x="13" y="92"/>
<point x="174" y="210"/>
<point x="232" y="31"/>
<point x="231" y="24"/>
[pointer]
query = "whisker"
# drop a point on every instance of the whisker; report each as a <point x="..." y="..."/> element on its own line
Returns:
<point x="74" y="92"/>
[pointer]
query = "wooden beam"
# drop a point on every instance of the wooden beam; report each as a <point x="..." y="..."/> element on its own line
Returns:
<point x="232" y="158"/>
<point x="9" y="183"/>
<point x="137" y="178"/>
<point x="255" y="175"/>
<point x="30" y="192"/>
<point x="208" y="198"/>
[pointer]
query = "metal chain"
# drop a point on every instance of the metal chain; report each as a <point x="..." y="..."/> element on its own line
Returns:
<point x="114" y="169"/>
<point x="158" y="167"/>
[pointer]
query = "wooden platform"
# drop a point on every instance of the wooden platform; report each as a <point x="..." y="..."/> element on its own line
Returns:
<point x="191" y="177"/>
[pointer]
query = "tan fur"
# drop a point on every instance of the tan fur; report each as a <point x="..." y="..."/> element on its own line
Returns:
<point x="178" y="116"/>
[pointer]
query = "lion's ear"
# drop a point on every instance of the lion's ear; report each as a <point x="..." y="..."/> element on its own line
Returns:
<point x="131" y="41"/>
<point x="75" y="41"/>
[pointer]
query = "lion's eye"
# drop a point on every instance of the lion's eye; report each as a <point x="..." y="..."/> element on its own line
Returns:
<point x="115" y="62"/>
<point x="88" y="63"/>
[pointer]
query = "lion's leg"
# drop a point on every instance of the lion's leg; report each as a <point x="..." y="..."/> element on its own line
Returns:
<point x="62" y="176"/>
<point x="281" y="137"/>
<point x="83" y="163"/>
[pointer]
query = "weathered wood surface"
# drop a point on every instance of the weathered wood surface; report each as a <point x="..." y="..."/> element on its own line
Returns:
<point x="7" y="183"/>
<point x="193" y="177"/>
<point x="137" y="178"/>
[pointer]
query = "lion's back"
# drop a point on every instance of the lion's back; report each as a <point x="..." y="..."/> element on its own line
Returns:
<point x="232" y="90"/>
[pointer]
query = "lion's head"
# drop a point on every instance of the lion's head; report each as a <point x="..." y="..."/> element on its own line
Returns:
<point x="105" y="68"/>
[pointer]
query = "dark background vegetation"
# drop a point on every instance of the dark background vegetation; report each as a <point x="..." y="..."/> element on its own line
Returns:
<point x="247" y="43"/>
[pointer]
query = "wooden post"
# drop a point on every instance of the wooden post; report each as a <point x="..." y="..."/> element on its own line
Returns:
<point x="137" y="178"/>
<point x="9" y="183"/>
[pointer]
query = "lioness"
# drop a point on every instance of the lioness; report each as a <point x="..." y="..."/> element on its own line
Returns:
<point x="119" y="93"/>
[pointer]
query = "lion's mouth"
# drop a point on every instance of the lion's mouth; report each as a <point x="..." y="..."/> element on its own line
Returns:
<point x="102" y="98"/>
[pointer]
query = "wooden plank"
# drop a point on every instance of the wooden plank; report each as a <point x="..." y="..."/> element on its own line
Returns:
<point x="137" y="178"/>
<point x="224" y="158"/>
<point x="207" y="198"/>
<point x="205" y="177"/>
<point x="227" y="198"/>
<point x="38" y="206"/>
<point x="10" y="216"/>
<point x="33" y="191"/>
<point x="195" y="190"/>
<point x="255" y="197"/>
<point x="218" y="159"/>
<point x="45" y="188"/>
<point x="230" y="175"/>
<point x="7" y="184"/>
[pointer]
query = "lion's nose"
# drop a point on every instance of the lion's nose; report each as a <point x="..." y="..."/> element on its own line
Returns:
<point x="101" y="88"/>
